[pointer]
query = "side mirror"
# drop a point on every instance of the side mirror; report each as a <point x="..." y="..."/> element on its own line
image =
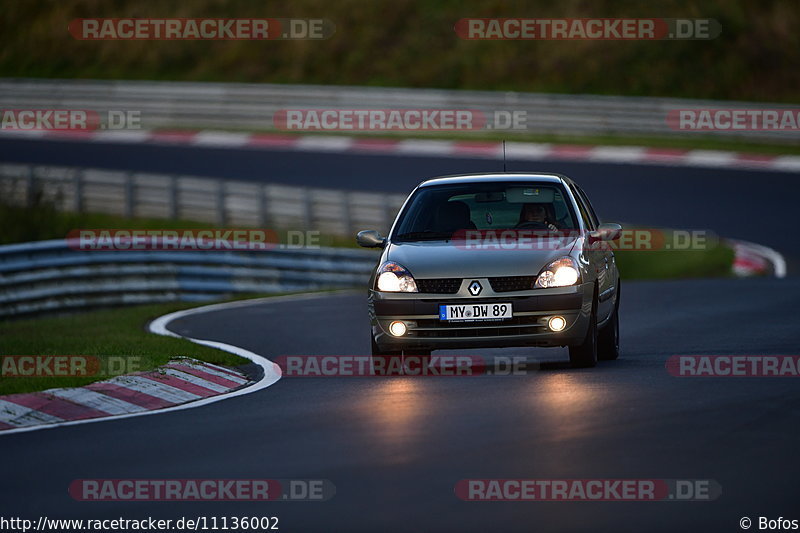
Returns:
<point x="606" y="232"/>
<point x="370" y="239"/>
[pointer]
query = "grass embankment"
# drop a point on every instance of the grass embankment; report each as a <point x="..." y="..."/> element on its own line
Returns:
<point x="106" y="333"/>
<point x="44" y="221"/>
<point x="713" y="262"/>
<point x="407" y="43"/>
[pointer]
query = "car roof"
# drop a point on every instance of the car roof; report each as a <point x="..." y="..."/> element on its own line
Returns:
<point x="500" y="176"/>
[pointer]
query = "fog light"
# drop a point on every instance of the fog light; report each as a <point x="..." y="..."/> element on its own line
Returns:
<point x="556" y="323"/>
<point x="397" y="328"/>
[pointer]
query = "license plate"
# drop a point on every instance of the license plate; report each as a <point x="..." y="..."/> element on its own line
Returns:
<point x="470" y="312"/>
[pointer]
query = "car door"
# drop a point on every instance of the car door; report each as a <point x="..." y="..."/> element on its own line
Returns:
<point x="600" y="257"/>
<point x="608" y="295"/>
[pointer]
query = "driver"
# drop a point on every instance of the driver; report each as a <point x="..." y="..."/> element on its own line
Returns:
<point x="535" y="213"/>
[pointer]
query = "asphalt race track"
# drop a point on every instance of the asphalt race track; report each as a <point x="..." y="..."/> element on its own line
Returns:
<point x="395" y="447"/>
<point x="753" y="205"/>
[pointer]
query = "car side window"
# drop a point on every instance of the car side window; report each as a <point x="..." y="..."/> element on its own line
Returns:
<point x="592" y="213"/>
<point x="587" y="219"/>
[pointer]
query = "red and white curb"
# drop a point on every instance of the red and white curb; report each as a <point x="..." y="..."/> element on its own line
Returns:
<point x="179" y="381"/>
<point x="181" y="384"/>
<point x="430" y="147"/>
<point x="752" y="259"/>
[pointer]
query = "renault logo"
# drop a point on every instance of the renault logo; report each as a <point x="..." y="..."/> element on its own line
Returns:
<point x="475" y="287"/>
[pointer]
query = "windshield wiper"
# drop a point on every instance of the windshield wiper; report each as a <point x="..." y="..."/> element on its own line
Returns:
<point x="425" y="236"/>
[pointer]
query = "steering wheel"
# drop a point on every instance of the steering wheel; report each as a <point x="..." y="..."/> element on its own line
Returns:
<point x="532" y="225"/>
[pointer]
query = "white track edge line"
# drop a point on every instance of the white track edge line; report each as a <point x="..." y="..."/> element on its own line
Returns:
<point x="773" y="256"/>
<point x="701" y="159"/>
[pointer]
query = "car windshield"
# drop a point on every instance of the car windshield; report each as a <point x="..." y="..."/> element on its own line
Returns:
<point x="437" y="212"/>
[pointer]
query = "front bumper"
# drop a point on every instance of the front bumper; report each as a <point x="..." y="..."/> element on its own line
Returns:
<point x="527" y="327"/>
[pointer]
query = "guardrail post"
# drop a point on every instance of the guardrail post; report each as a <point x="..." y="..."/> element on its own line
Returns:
<point x="348" y="214"/>
<point x="173" y="197"/>
<point x="221" y="218"/>
<point x="30" y="186"/>
<point x="263" y="207"/>
<point x="129" y="195"/>
<point x="308" y="207"/>
<point x="387" y="215"/>
<point x="78" y="182"/>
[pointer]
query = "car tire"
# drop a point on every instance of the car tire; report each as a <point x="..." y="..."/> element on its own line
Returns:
<point x="608" y="338"/>
<point x="584" y="355"/>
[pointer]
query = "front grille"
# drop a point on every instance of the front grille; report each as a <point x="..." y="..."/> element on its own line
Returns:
<point x="512" y="283"/>
<point x="518" y="325"/>
<point x="439" y="286"/>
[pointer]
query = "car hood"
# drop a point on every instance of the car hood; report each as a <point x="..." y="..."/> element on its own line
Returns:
<point x="447" y="260"/>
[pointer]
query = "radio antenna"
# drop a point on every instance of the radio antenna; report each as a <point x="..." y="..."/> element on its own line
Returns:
<point x="504" y="155"/>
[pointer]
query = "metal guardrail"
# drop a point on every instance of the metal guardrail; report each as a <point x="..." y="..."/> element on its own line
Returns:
<point x="49" y="276"/>
<point x="217" y="201"/>
<point x="252" y="106"/>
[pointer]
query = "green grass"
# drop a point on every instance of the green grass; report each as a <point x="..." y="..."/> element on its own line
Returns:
<point x="103" y="333"/>
<point x="44" y="221"/>
<point x="671" y="264"/>
<point x="411" y="43"/>
<point x="671" y="254"/>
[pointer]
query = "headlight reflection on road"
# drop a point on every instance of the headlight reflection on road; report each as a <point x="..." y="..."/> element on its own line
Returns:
<point x="565" y="404"/>
<point x="394" y="408"/>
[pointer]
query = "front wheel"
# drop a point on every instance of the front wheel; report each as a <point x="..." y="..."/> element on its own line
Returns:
<point x="608" y="339"/>
<point x="584" y="355"/>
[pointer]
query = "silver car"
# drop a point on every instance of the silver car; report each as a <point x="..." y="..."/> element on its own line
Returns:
<point x="496" y="260"/>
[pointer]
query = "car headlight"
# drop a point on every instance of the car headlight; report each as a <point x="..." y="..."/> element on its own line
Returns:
<point x="395" y="278"/>
<point x="562" y="272"/>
